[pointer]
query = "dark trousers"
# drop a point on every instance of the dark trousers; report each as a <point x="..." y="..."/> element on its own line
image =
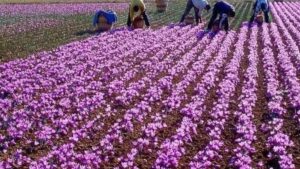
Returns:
<point x="145" y="17"/>
<point x="266" y="13"/>
<point x="214" y="17"/>
<point x="188" y="8"/>
<point x="225" y="24"/>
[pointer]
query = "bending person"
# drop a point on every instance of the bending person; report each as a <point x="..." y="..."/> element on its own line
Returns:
<point x="136" y="9"/>
<point x="260" y="5"/>
<point x="224" y="10"/>
<point x="198" y="6"/>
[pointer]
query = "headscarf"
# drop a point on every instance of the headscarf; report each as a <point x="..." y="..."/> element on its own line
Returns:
<point x="110" y="16"/>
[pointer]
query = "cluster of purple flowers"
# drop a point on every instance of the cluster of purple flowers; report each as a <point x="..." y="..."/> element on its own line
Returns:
<point x="277" y="141"/>
<point x="220" y="112"/>
<point x="149" y="138"/>
<point x="57" y="100"/>
<point x="164" y="154"/>
<point x="138" y="114"/>
<point x="245" y="127"/>
<point x="64" y="94"/>
<point x="61" y="87"/>
<point x="173" y="148"/>
<point x="69" y="93"/>
<point x="288" y="21"/>
<point x="287" y="26"/>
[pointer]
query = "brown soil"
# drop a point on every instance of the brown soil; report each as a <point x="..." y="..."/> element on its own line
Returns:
<point x="261" y="110"/>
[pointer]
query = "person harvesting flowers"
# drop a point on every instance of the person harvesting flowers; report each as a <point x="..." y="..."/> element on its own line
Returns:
<point x="224" y="10"/>
<point x="137" y="9"/>
<point x="260" y="5"/>
<point x="198" y="6"/>
<point x="104" y="19"/>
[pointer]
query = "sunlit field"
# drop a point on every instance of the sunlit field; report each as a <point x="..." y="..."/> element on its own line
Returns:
<point x="169" y="96"/>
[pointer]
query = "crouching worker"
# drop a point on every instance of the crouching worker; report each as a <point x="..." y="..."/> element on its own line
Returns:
<point x="224" y="10"/>
<point x="104" y="20"/>
<point x="260" y="5"/>
<point x="137" y="11"/>
<point x="198" y="6"/>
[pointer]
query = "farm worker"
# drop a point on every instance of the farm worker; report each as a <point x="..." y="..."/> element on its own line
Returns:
<point x="137" y="8"/>
<point x="198" y="6"/>
<point x="260" y="5"/>
<point x="110" y="16"/>
<point x="224" y="10"/>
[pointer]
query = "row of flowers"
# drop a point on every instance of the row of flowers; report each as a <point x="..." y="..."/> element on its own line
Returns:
<point x="290" y="47"/>
<point x="277" y="141"/>
<point x="70" y="93"/>
<point x="287" y="22"/>
<point x="219" y="114"/>
<point x="149" y="140"/>
<point x="61" y="93"/>
<point x="172" y="149"/>
<point x="183" y="31"/>
<point x="75" y="84"/>
<point x="105" y="148"/>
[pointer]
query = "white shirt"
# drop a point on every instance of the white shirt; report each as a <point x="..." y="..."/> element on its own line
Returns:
<point x="200" y="4"/>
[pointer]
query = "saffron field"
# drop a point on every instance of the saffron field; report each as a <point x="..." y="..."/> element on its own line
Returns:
<point x="30" y="28"/>
<point x="27" y="28"/>
<point x="27" y="17"/>
<point x="171" y="97"/>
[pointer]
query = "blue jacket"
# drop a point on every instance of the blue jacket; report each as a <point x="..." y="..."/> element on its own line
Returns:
<point x="258" y="5"/>
<point x="110" y="16"/>
<point x="223" y="7"/>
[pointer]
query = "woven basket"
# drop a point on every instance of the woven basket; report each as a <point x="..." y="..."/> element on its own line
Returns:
<point x="161" y="5"/>
<point x="138" y="23"/>
<point x="103" y="25"/>
<point x="189" y="20"/>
